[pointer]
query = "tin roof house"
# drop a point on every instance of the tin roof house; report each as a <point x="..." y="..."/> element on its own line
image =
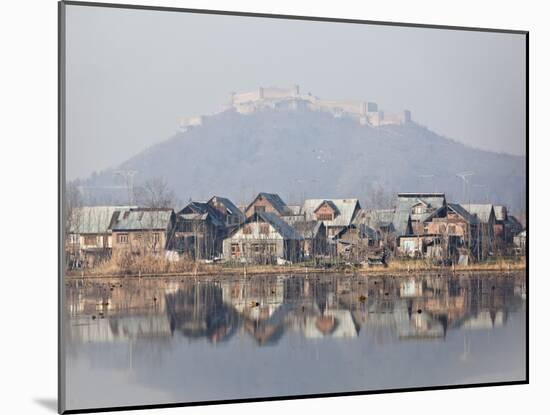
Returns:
<point x="268" y="202"/>
<point x="89" y="233"/>
<point x="143" y="230"/>
<point x="230" y="213"/>
<point x="200" y="229"/>
<point x="417" y="208"/>
<point x="485" y="214"/>
<point x="336" y="214"/>
<point x="264" y="238"/>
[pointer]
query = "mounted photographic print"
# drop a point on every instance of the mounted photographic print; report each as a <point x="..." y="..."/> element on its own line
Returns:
<point x="258" y="207"/>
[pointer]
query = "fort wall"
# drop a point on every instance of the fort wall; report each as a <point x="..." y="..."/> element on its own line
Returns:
<point x="290" y="99"/>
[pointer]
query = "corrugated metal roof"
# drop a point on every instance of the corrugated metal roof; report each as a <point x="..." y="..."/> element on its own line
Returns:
<point x="374" y="218"/>
<point x="405" y="203"/>
<point x="459" y="209"/>
<point x="93" y="219"/>
<point x="143" y="219"/>
<point x="366" y="230"/>
<point x="308" y="229"/>
<point x="346" y="209"/>
<point x="432" y="200"/>
<point x="481" y="210"/>
<point x="295" y="209"/>
<point x="401" y="220"/>
<point x="513" y="223"/>
<point x="284" y="229"/>
<point x="205" y="210"/>
<point x="229" y="205"/>
<point x="276" y="201"/>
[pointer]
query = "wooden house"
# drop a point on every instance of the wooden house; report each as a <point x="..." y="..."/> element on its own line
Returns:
<point x="263" y="238"/>
<point x="457" y="229"/>
<point x="89" y="238"/>
<point x="200" y="229"/>
<point x="268" y="202"/>
<point x="485" y="214"/>
<point x="417" y="209"/>
<point x="355" y="241"/>
<point x="314" y="234"/>
<point x="336" y="214"/>
<point x="505" y="228"/>
<point x="142" y="231"/>
<point x="228" y="211"/>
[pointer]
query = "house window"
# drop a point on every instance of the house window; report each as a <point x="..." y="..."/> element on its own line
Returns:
<point x="452" y="229"/>
<point x="156" y="237"/>
<point x="247" y="230"/>
<point x="186" y="226"/>
<point x="258" y="209"/>
<point x="235" y="250"/>
<point x="139" y="236"/>
<point x="90" y="240"/>
<point x="325" y="216"/>
<point x="264" y="229"/>
<point x="122" y="238"/>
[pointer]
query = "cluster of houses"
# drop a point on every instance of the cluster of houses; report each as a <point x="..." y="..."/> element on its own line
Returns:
<point x="268" y="231"/>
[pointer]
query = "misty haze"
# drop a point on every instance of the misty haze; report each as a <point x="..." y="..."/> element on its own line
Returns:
<point x="259" y="207"/>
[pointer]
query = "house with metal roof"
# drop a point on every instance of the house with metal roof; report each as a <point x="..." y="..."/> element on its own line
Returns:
<point x="485" y="214"/>
<point x="355" y="241"/>
<point x="506" y="227"/>
<point x="89" y="233"/>
<point x="336" y="214"/>
<point x="418" y="208"/>
<point x="263" y="238"/>
<point x="457" y="232"/>
<point x="200" y="228"/>
<point x="267" y="202"/>
<point x="142" y="230"/>
<point x="230" y="213"/>
<point x="315" y="237"/>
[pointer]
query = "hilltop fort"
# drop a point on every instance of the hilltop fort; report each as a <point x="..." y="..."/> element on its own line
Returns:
<point x="291" y="99"/>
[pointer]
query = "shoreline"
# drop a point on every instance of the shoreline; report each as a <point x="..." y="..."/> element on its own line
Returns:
<point x="389" y="271"/>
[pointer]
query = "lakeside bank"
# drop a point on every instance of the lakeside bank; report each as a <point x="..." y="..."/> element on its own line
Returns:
<point x="394" y="268"/>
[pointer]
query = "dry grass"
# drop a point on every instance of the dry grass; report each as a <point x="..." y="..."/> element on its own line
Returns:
<point x="127" y="264"/>
<point x="149" y="266"/>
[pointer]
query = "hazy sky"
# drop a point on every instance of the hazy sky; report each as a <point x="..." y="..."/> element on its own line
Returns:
<point x="132" y="75"/>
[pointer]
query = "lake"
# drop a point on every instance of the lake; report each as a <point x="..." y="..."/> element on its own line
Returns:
<point x="168" y="340"/>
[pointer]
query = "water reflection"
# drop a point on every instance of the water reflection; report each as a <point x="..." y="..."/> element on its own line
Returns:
<point x="265" y="307"/>
<point x="144" y="341"/>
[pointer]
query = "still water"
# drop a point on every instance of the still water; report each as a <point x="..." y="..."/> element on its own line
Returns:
<point x="154" y="341"/>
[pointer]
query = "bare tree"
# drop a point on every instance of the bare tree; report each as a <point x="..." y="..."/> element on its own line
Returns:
<point x="156" y="196"/>
<point x="155" y="193"/>
<point x="73" y="201"/>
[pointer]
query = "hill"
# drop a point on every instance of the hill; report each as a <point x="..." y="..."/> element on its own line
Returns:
<point x="315" y="155"/>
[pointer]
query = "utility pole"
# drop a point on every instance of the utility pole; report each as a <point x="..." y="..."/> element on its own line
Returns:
<point x="465" y="182"/>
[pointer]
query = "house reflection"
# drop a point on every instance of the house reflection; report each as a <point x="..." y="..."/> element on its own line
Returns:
<point x="196" y="310"/>
<point x="266" y="308"/>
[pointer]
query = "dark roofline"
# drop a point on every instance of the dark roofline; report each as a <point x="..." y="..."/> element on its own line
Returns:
<point x="226" y="200"/>
<point x="330" y="203"/>
<point x="147" y="209"/>
<point x="420" y="195"/>
<point x="268" y="196"/>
